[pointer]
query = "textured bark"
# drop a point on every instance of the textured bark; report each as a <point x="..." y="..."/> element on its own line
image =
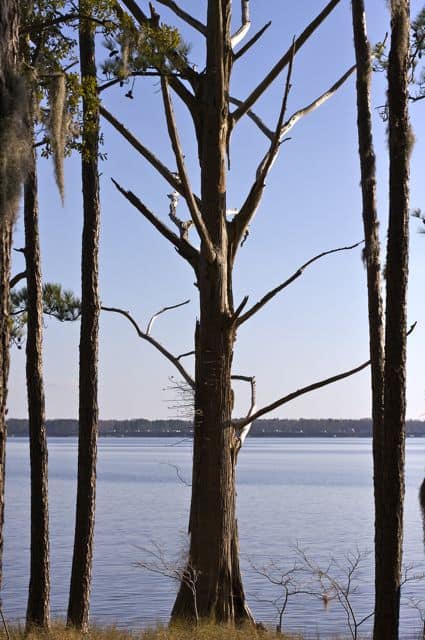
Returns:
<point x="214" y="554"/>
<point x="387" y="604"/>
<point x="373" y="270"/>
<point x="79" y="596"/>
<point x="39" y="586"/>
<point x="8" y="60"/>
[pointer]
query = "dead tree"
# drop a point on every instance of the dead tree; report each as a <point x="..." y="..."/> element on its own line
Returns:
<point x="213" y="552"/>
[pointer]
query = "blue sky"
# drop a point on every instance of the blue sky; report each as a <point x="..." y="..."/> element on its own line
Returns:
<point x="316" y="327"/>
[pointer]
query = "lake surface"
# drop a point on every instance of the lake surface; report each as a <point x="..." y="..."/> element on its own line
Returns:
<point x="314" y="492"/>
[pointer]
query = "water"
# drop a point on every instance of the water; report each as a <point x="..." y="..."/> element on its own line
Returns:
<point x="314" y="492"/>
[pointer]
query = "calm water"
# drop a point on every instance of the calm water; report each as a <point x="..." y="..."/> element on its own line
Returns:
<point x="316" y="492"/>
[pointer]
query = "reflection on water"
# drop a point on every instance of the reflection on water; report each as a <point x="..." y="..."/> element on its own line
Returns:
<point x="316" y="492"/>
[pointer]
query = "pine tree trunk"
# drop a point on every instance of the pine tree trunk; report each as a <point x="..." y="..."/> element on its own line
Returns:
<point x="213" y="559"/>
<point x="388" y="567"/>
<point x="8" y="59"/>
<point x="79" y="596"/>
<point x="373" y="269"/>
<point x="39" y="586"/>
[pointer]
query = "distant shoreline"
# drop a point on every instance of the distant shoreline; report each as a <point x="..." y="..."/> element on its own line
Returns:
<point x="269" y="428"/>
<point x="263" y="436"/>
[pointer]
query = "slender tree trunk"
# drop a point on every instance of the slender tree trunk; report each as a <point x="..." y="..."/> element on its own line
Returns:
<point x="387" y="605"/>
<point x="11" y="122"/>
<point x="5" y="247"/>
<point x="214" y="554"/>
<point x="39" y="586"/>
<point x="79" y="597"/>
<point x="373" y="269"/>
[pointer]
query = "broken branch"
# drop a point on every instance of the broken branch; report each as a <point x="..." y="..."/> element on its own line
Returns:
<point x="271" y="294"/>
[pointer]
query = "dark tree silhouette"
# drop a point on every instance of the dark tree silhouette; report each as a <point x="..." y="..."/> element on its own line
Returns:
<point x="79" y="595"/>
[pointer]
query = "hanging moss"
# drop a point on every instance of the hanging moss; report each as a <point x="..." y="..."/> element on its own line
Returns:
<point x="57" y="124"/>
<point x="14" y="146"/>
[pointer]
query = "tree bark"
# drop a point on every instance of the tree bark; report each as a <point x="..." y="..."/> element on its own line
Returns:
<point x="39" y="586"/>
<point x="388" y="568"/>
<point x="373" y="270"/>
<point x="214" y="555"/>
<point x="8" y="61"/>
<point x="79" y="596"/>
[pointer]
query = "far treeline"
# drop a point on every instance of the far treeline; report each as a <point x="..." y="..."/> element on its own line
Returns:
<point x="140" y="428"/>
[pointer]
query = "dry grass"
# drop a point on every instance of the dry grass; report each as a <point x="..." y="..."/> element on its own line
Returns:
<point x="203" y="632"/>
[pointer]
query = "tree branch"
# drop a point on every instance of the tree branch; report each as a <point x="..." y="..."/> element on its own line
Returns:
<point x="186" y="17"/>
<point x="154" y="343"/>
<point x="17" y="278"/>
<point x="292" y="121"/>
<point x="283" y="62"/>
<point x="136" y="74"/>
<point x="185" y="355"/>
<point x="245" y="26"/>
<point x="243" y="430"/>
<point x="154" y="317"/>
<point x="168" y="175"/>
<point x="296" y="394"/>
<point x="240" y="222"/>
<point x="184" y="94"/>
<point x="183" y="247"/>
<point x="316" y="103"/>
<point x="187" y="191"/>
<point x="251" y="42"/>
<point x="312" y="387"/>
<point x="271" y="294"/>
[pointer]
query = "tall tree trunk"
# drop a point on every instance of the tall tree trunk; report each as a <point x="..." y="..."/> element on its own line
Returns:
<point x="39" y="586"/>
<point x="388" y="568"/>
<point x="214" y="556"/>
<point x="373" y="269"/>
<point x="79" y="596"/>
<point x="12" y="118"/>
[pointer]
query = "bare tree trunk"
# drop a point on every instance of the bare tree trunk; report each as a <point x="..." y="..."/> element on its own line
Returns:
<point x="388" y="569"/>
<point x="79" y="596"/>
<point x="10" y="181"/>
<point x="214" y="554"/>
<point x="39" y="586"/>
<point x="373" y="269"/>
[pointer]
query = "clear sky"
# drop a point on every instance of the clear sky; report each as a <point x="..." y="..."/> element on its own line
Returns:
<point x="315" y="328"/>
